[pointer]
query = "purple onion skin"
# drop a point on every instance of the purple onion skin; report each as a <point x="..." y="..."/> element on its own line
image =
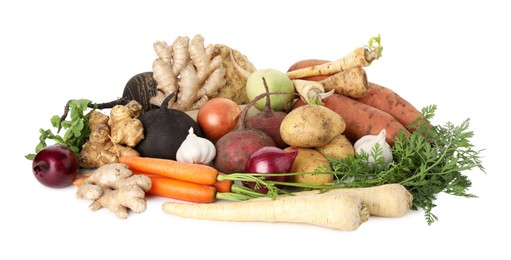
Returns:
<point x="269" y="159"/>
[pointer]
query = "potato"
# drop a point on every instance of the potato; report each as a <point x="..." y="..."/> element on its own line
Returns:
<point x="310" y="160"/>
<point x="311" y="126"/>
<point x="339" y="147"/>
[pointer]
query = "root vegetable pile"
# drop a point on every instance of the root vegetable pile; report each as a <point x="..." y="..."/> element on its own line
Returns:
<point x="357" y="148"/>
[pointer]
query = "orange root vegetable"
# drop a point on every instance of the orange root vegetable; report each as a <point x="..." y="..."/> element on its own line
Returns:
<point x="360" y="57"/>
<point x="361" y="119"/>
<point x="337" y="211"/>
<point x="78" y="181"/>
<point x="190" y="172"/>
<point x="182" y="190"/>
<point x="389" y="101"/>
<point x="219" y="185"/>
<point x="223" y="185"/>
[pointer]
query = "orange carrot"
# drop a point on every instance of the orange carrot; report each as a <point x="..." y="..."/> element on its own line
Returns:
<point x="220" y="185"/>
<point x="190" y="172"/>
<point x="182" y="190"/>
<point x="78" y="181"/>
<point x="81" y="178"/>
<point x="223" y="185"/>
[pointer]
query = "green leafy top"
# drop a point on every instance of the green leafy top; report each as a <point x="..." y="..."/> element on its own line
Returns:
<point x="428" y="161"/>
<point x="374" y="47"/>
<point x="77" y="129"/>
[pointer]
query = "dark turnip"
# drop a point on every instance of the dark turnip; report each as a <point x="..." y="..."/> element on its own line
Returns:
<point x="234" y="148"/>
<point x="140" y="88"/>
<point x="164" y="130"/>
<point x="55" y="166"/>
<point x="268" y="121"/>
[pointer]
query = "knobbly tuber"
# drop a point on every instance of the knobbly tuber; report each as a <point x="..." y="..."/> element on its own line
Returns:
<point x="125" y="128"/>
<point x="194" y="72"/>
<point x="143" y="87"/>
<point x="164" y="130"/>
<point x="112" y="137"/>
<point x="114" y="186"/>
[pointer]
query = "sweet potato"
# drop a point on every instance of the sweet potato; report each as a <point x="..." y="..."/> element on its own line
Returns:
<point x="389" y="101"/>
<point x="361" y="119"/>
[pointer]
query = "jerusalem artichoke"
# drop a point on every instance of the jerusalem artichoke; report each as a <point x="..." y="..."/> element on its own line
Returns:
<point x="112" y="137"/>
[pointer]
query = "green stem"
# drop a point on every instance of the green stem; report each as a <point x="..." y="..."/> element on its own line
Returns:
<point x="245" y="191"/>
<point x="231" y="196"/>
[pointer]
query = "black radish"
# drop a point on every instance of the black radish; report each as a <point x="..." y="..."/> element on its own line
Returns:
<point x="164" y="130"/>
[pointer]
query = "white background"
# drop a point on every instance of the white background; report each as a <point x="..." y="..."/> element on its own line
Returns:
<point x="451" y="54"/>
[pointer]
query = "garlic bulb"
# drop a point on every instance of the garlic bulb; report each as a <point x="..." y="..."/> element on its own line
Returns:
<point x="196" y="149"/>
<point x="368" y="142"/>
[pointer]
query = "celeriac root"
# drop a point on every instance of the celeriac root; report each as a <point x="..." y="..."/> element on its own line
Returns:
<point x="334" y="210"/>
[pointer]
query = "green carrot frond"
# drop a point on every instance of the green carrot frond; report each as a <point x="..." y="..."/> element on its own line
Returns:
<point x="374" y="45"/>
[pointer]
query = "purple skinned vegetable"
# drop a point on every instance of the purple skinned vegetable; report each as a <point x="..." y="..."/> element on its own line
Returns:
<point x="269" y="159"/>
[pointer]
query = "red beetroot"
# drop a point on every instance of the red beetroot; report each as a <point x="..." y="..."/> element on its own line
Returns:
<point x="234" y="148"/>
<point x="268" y="121"/>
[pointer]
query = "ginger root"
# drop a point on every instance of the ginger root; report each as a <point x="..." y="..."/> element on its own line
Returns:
<point x="114" y="186"/>
<point x="196" y="73"/>
<point x="112" y="137"/>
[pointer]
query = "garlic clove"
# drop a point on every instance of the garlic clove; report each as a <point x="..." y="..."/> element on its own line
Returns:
<point x="196" y="149"/>
<point x="368" y="143"/>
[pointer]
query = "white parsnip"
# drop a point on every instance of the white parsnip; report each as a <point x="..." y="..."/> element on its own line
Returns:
<point x="338" y="211"/>
<point x="388" y="200"/>
<point x="352" y="82"/>
<point x="310" y="91"/>
<point x="360" y="57"/>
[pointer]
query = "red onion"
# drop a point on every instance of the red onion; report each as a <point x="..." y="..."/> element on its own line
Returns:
<point x="269" y="159"/>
